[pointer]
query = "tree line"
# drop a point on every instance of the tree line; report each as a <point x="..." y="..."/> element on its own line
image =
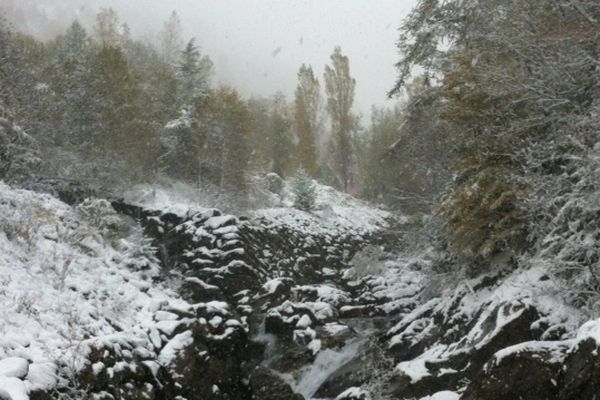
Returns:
<point x="108" y="109"/>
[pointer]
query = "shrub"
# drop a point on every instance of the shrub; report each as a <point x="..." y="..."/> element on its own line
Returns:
<point x="304" y="191"/>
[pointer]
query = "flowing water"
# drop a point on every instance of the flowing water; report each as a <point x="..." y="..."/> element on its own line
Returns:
<point x="326" y="363"/>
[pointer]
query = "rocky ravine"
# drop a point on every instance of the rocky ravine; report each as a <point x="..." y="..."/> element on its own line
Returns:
<point x="269" y="308"/>
<point x="288" y="311"/>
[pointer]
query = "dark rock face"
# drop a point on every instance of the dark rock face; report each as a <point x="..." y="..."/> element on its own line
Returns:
<point x="554" y="371"/>
<point x="520" y="376"/>
<point x="463" y="343"/>
<point x="580" y="375"/>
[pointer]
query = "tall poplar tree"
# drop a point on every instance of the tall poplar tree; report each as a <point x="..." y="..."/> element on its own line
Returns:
<point x="306" y="118"/>
<point x="339" y="86"/>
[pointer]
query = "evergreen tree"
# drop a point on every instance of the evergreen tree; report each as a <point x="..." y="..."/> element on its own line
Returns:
<point x="18" y="154"/>
<point x="183" y="142"/>
<point x="74" y="45"/>
<point x="304" y="191"/>
<point x="194" y="72"/>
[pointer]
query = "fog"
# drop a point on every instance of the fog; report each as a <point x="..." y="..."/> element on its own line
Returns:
<point x="256" y="45"/>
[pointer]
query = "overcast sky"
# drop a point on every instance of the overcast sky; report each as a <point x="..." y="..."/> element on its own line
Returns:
<point x="258" y="45"/>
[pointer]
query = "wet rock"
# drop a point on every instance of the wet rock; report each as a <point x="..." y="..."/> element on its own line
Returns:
<point x="334" y="335"/>
<point x="266" y="385"/>
<point x="361" y="311"/>
<point x="291" y="356"/>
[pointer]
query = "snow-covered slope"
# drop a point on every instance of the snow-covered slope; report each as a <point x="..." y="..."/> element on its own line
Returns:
<point x="66" y="288"/>
<point x="333" y="210"/>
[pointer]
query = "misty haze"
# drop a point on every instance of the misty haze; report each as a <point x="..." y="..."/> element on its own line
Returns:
<point x="299" y="200"/>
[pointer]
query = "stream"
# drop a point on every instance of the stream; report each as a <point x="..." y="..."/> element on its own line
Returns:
<point x="308" y="379"/>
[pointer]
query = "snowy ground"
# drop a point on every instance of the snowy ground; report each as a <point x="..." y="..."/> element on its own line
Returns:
<point x="64" y="288"/>
<point x="334" y="210"/>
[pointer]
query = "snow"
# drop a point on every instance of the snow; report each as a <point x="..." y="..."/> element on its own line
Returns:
<point x="14" y="367"/>
<point x="590" y="329"/>
<point x="41" y="376"/>
<point x="13" y="389"/>
<point x="335" y="211"/>
<point x="414" y="369"/>
<point x="165" y="316"/>
<point x="556" y="350"/>
<point x="271" y="286"/>
<point x="327" y="294"/>
<point x="175" y="198"/>
<point x="335" y="329"/>
<point x="169" y="353"/>
<point x="314" y="346"/>
<point x="65" y="290"/>
<point x="220" y="221"/>
<point x="303" y="322"/>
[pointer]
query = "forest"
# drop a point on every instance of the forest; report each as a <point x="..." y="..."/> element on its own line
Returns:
<point x="444" y="246"/>
<point x="112" y="111"/>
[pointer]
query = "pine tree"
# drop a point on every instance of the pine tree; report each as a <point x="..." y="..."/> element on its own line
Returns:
<point x="73" y="45"/>
<point x="304" y="191"/>
<point x="339" y="86"/>
<point x="170" y="39"/>
<point x="194" y="71"/>
<point x="306" y="117"/>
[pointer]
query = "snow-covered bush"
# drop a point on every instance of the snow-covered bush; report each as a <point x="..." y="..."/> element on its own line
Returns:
<point x="138" y="253"/>
<point x="100" y="214"/>
<point x="24" y="227"/>
<point x="304" y="191"/>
